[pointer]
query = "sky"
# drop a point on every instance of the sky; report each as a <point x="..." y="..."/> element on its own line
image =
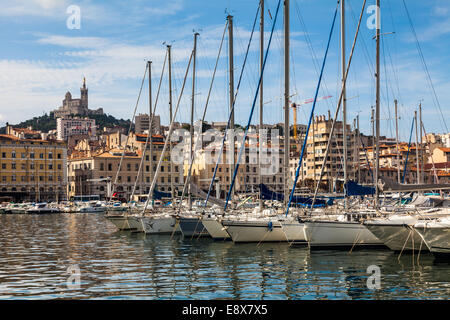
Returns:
<point x="44" y="54"/>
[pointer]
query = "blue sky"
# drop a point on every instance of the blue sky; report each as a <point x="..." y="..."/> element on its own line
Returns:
<point x="41" y="58"/>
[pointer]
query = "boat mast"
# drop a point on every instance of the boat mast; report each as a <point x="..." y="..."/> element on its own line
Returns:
<point x="422" y="178"/>
<point x="231" y="92"/>
<point x="261" y="96"/>
<point x="377" y="107"/>
<point x="150" y="117"/>
<point x="417" y="148"/>
<point x="396" y="138"/>
<point x="286" y="101"/>
<point x="359" y="149"/>
<point x="192" y="111"/>
<point x="344" y="100"/>
<point x="169" y="55"/>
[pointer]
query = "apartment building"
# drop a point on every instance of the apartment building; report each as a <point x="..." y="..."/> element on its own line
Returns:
<point x="32" y="169"/>
<point x="88" y="172"/>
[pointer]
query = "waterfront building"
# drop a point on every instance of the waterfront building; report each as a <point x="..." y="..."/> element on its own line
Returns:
<point x="85" y="166"/>
<point x="32" y="169"/>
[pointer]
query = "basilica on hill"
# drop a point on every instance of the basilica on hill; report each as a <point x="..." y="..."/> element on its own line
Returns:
<point x="76" y="106"/>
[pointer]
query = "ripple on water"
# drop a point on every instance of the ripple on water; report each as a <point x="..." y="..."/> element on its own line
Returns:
<point x="37" y="250"/>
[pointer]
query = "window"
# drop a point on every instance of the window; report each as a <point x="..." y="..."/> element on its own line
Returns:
<point x="162" y="168"/>
<point x="13" y="154"/>
<point x="32" y="155"/>
<point x="59" y="178"/>
<point x="32" y="166"/>
<point x="41" y="155"/>
<point x="23" y="166"/>
<point x="23" y="155"/>
<point x="13" y="177"/>
<point x="13" y="166"/>
<point x="3" y="154"/>
<point x="4" y="179"/>
<point x="102" y="166"/>
<point x="128" y="167"/>
<point x="136" y="167"/>
<point x="59" y="155"/>
<point x="147" y="168"/>
<point x="50" y="155"/>
<point x="128" y="179"/>
<point x="41" y="166"/>
<point x="31" y="178"/>
<point x="59" y="167"/>
<point x="50" y="167"/>
<point x="109" y="167"/>
<point x="176" y="168"/>
<point x="3" y="165"/>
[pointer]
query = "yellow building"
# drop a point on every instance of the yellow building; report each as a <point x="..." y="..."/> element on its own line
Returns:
<point x="32" y="169"/>
<point x="318" y="137"/>
<point x="88" y="172"/>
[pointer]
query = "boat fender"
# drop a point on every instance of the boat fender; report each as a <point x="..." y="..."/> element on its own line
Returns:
<point x="270" y="226"/>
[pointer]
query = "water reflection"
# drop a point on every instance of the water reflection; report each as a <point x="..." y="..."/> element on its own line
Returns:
<point x="37" y="250"/>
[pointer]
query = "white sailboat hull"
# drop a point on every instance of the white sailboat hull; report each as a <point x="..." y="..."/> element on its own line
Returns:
<point x="135" y="223"/>
<point x="437" y="238"/>
<point x="397" y="237"/>
<point x="121" y="222"/>
<point x="215" y="229"/>
<point x="254" y="231"/>
<point x="159" y="225"/>
<point x="339" y="235"/>
<point x="295" y="232"/>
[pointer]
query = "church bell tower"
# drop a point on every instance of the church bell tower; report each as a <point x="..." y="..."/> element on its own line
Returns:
<point x="84" y="96"/>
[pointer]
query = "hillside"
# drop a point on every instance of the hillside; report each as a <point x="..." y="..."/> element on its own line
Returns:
<point x="46" y="123"/>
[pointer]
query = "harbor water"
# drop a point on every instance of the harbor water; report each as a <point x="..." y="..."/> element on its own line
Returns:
<point x="39" y="254"/>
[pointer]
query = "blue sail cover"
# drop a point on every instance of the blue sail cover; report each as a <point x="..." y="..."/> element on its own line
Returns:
<point x="267" y="194"/>
<point x="354" y="189"/>
<point x="158" y="195"/>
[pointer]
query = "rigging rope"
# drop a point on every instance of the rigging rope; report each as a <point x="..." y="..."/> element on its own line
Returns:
<point x="152" y="187"/>
<point x="338" y="105"/>
<point x="129" y="131"/>
<point x="204" y="114"/>
<point x="150" y="129"/>
<point x="232" y="110"/>
<point x="297" y="172"/>
<point x="419" y="49"/>
<point x="252" y="109"/>
<point x="407" y="153"/>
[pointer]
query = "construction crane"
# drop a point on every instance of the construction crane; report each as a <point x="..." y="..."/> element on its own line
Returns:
<point x="295" y="105"/>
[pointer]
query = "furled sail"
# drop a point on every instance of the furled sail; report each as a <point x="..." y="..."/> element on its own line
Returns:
<point x="268" y="194"/>
<point x="388" y="185"/>
<point x="354" y="189"/>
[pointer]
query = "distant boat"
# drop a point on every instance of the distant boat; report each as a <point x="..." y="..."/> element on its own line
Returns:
<point x="92" y="207"/>
<point x="42" y="208"/>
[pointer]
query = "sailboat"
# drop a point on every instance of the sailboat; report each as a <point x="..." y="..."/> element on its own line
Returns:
<point x="436" y="235"/>
<point x="342" y="230"/>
